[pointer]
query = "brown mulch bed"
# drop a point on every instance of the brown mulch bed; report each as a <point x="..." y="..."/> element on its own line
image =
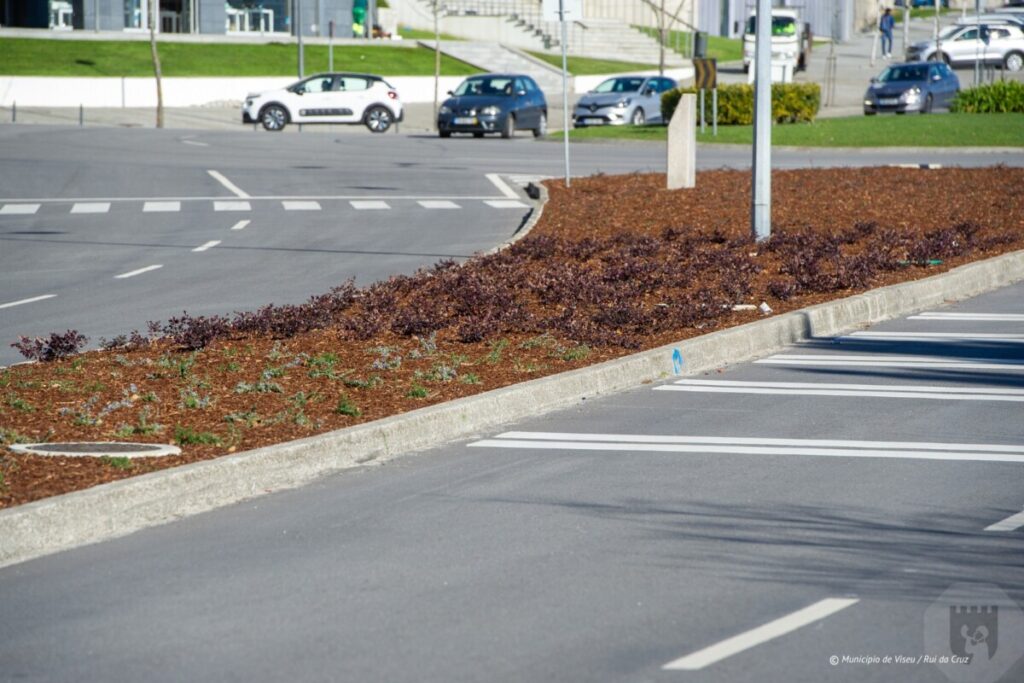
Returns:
<point x="615" y="265"/>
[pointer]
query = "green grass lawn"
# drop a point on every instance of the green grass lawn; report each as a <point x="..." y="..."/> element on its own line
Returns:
<point x="32" y="57"/>
<point x="585" y="66"/>
<point x="938" y="130"/>
<point x="722" y="49"/>
<point x="417" y="34"/>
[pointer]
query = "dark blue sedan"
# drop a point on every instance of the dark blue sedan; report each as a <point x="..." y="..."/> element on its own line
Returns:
<point x="494" y="103"/>
<point x="916" y="86"/>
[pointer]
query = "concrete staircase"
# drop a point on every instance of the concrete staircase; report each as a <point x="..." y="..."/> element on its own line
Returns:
<point x="610" y="39"/>
<point x="497" y="58"/>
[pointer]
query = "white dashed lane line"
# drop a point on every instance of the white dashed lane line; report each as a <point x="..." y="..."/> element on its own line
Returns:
<point x="161" y="207"/>
<point x="301" y="206"/>
<point x="505" y="204"/>
<point x="140" y="271"/>
<point x="369" y="205"/>
<point x="232" y="206"/>
<point x="18" y="209"/>
<point x="34" y="299"/>
<point x="207" y="245"/>
<point x="91" y="207"/>
<point x="438" y="204"/>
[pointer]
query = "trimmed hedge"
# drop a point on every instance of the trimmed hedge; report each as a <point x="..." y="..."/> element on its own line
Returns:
<point x="1001" y="97"/>
<point x="791" y="103"/>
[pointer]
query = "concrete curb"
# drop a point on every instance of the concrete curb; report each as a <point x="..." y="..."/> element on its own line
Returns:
<point x="122" y="507"/>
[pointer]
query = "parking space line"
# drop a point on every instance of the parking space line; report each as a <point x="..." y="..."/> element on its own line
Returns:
<point x="438" y="204"/>
<point x="18" y="209"/>
<point x="861" y="390"/>
<point x="161" y="207"/>
<point x="140" y="271"/>
<point x="300" y="205"/>
<point x="207" y="245"/>
<point x="34" y="299"/>
<point x="760" y="635"/>
<point x="505" y="204"/>
<point x="369" y="204"/>
<point x="972" y="317"/>
<point x="234" y="189"/>
<point x="91" y="207"/>
<point x="231" y="206"/>
<point x="1011" y="523"/>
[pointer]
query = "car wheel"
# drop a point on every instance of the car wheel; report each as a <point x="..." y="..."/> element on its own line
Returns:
<point x="274" y="118"/>
<point x="638" y="117"/>
<point x="542" y="126"/>
<point x="1014" y="61"/>
<point x="378" y="119"/>
<point x="509" y="127"/>
<point x="927" y="107"/>
<point x="444" y="133"/>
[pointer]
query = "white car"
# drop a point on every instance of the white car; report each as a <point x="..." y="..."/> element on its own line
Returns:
<point x="990" y="43"/>
<point x="327" y="98"/>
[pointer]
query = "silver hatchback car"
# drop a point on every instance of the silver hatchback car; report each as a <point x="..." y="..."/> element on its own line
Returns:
<point x="623" y="99"/>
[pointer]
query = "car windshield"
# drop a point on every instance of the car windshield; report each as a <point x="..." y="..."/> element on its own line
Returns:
<point x="945" y="33"/>
<point x="486" y="85"/>
<point x="781" y="26"/>
<point x="620" y="85"/>
<point x="915" y="72"/>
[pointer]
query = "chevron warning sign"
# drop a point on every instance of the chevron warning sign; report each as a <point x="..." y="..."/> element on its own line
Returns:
<point x="705" y="74"/>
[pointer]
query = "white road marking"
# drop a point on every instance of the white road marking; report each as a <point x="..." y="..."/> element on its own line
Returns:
<point x="502" y="186"/>
<point x="232" y="206"/>
<point x="195" y="143"/>
<point x="140" y="271"/>
<point x="368" y="204"/>
<point x="526" y="178"/>
<point x="879" y="361"/>
<point x="208" y="245"/>
<point x="34" y="299"/>
<point x="18" y="209"/>
<point x="91" y="207"/>
<point x="761" y="634"/>
<point x="1011" y="523"/>
<point x="240" y="225"/>
<point x="158" y="207"/>
<point x="300" y="205"/>
<point x="937" y="336"/>
<point x="505" y="204"/>
<point x="755" y="446"/>
<point x="438" y="204"/>
<point x="234" y="189"/>
<point x="863" y="390"/>
<point x="973" y="317"/>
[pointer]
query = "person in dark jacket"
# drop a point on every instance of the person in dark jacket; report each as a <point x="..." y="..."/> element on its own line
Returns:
<point x="885" y="26"/>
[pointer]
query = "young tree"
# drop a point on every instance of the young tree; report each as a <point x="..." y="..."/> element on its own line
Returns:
<point x="153" y="18"/>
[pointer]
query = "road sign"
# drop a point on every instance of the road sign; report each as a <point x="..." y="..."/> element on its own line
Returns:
<point x="705" y="74"/>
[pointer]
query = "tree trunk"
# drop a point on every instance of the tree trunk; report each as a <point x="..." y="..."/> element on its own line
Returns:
<point x="153" y="18"/>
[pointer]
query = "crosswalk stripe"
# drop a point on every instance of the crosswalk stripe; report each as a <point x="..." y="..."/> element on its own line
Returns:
<point x="18" y="209"/>
<point x="300" y="205"/>
<point x="1011" y="523"/>
<point x="438" y="204"/>
<point x="231" y="206"/>
<point x="971" y="317"/>
<point x="880" y="361"/>
<point x="505" y="204"/>
<point x="856" y="390"/>
<point x="369" y="205"/>
<point x="91" y="207"/>
<point x="937" y="336"/>
<point x="161" y="207"/>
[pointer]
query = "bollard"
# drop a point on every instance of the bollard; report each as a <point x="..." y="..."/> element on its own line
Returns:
<point x="81" y="115"/>
<point x="14" y="112"/>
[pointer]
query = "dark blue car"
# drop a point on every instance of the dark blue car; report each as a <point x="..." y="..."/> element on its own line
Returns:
<point x="494" y="103"/>
<point x="915" y="86"/>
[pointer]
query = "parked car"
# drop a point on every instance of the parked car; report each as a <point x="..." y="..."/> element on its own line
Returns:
<point x="494" y="103"/>
<point x="994" y="18"/>
<point x="327" y="98"/>
<point x="992" y="43"/>
<point x="622" y="99"/>
<point x="917" y="86"/>
<point x="789" y="44"/>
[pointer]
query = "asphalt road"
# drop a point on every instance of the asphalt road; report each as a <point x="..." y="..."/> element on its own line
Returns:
<point x="103" y="230"/>
<point x="679" y="532"/>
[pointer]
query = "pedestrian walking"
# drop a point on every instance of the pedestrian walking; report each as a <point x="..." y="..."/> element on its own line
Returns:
<point x="885" y="26"/>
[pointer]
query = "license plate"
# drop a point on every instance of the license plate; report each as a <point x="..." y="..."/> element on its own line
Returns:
<point x="465" y="120"/>
<point x="888" y="100"/>
<point x="597" y="122"/>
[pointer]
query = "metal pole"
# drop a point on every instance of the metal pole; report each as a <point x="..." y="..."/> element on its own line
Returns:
<point x="977" y="52"/>
<point x="714" y="112"/>
<point x="761" y="209"/>
<point x="702" y="126"/>
<point x="81" y="115"/>
<point x="297" y="22"/>
<point x="96" y="15"/>
<point x="565" y="91"/>
<point x="14" y="112"/>
<point x="437" y="60"/>
<point x="330" y="45"/>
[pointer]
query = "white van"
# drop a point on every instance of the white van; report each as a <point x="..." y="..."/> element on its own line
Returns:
<point x="788" y="45"/>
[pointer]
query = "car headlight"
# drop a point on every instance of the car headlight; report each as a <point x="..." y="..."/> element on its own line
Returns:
<point x="445" y="109"/>
<point x="912" y="95"/>
<point x="622" y="104"/>
<point x="868" y="101"/>
<point x="490" y="111"/>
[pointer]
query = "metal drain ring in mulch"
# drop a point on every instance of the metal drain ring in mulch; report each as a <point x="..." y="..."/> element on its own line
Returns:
<point x="114" y="449"/>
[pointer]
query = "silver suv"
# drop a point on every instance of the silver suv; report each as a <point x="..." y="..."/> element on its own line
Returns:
<point x="992" y="43"/>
